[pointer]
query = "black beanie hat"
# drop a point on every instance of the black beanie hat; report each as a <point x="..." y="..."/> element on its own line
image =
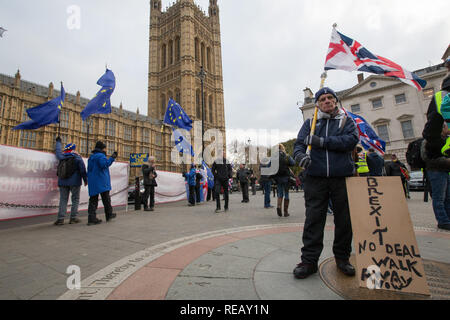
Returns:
<point x="100" y="145"/>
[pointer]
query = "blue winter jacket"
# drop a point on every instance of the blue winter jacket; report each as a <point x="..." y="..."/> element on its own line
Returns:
<point x="335" y="158"/>
<point x="80" y="173"/>
<point x="99" y="179"/>
<point x="190" y="177"/>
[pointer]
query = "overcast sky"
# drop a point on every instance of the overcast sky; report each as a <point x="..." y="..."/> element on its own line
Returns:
<point x="271" y="49"/>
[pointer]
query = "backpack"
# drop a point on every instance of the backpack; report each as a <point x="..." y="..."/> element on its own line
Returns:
<point x="66" y="168"/>
<point x="283" y="169"/>
<point x="413" y="155"/>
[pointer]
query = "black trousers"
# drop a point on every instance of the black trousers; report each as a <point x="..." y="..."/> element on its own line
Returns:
<point x="192" y="195"/>
<point x="93" y="205"/>
<point x="149" y="192"/>
<point x="318" y="192"/>
<point x="244" y="188"/>
<point x="218" y="184"/>
<point x="253" y="189"/>
<point x="197" y="193"/>
<point x="211" y="193"/>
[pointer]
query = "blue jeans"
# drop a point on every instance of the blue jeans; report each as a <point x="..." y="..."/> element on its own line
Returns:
<point x="283" y="190"/>
<point x="64" y="198"/>
<point x="440" y="188"/>
<point x="267" y="186"/>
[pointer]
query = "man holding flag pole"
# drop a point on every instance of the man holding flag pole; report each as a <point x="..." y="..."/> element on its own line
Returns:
<point x="324" y="149"/>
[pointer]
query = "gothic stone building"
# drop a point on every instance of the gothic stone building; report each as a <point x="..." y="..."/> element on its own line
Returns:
<point x="181" y="40"/>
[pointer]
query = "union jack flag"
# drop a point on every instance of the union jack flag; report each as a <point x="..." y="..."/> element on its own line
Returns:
<point x="367" y="136"/>
<point x="347" y="54"/>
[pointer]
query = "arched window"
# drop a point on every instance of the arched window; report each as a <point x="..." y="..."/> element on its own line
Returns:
<point x="211" y="109"/>
<point x="163" y="105"/>
<point x="177" y="49"/>
<point x="178" y="96"/>
<point x="170" y="52"/>
<point x="163" y="56"/>
<point x="203" y="54"/>
<point x="208" y="58"/>
<point x="197" y="50"/>
<point x="198" y="104"/>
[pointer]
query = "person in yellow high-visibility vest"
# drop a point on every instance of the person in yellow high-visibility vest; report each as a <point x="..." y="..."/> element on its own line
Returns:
<point x="437" y="154"/>
<point x="361" y="163"/>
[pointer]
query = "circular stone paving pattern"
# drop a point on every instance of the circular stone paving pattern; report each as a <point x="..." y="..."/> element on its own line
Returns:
<point x="437" y="273"/>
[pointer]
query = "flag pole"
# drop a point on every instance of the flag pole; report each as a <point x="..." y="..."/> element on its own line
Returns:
<point x="87" y="138"/>
<point x="316" y="111"/>
<point x="59" y="116"/>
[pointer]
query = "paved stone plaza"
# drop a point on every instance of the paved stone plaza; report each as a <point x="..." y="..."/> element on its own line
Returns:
<point x="179" y="252"/>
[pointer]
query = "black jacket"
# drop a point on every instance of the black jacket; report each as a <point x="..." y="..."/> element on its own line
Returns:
<point x="222" y="170"/>
<point x="375" y="164"/>
<point x="432" y="132"/>
<point x="146" y="171"/>
<point x="243" y="175"/>
<point x="393" y="169"/>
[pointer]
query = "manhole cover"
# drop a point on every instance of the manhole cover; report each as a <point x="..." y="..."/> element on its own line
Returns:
<point x="437" y="273"/>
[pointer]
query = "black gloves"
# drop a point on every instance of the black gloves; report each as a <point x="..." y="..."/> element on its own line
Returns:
<point x="58" y="139"/>
<point x="114" y="155"/>
<point x="314" y="141"/>
<point x="304" y="161"/>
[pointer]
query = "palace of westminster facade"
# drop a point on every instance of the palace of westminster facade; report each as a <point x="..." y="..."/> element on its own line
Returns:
<point x="182" y="40"/>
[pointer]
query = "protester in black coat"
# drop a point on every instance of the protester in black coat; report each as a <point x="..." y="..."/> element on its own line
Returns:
<point x="149" y="173"/>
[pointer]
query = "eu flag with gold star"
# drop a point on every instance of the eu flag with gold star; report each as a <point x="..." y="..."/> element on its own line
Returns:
<point x="44" y="114"/>
<point x="175" y="116"/>
<point x="101" y="103"/>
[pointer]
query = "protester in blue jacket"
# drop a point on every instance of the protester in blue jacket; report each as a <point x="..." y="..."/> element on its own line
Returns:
<point x="72" y="170"/>
<point x="190" y="178"/>
<point x="99" y="183"/>
<point x="326" y="168"/>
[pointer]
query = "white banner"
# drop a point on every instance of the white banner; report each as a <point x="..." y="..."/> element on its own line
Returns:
<point x="171" y="187"/>
<point x="29" y="185"/>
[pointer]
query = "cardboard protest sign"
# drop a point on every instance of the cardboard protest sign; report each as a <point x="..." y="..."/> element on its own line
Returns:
<point x="387" y="255"/>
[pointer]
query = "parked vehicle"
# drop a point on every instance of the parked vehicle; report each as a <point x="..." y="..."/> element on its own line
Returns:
<point x="416" y="181"/>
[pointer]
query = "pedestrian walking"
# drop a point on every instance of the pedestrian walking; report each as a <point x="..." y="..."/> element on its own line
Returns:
<point x="282" y="179"/>
<point x="396" y="168"/>
<point x="375" y="163"/>
<point x="222" y="172"/>
<point x="326" y="169"/>
<point x="198" y="181"/>
<point x="190" y="178"/>
<point x="265" y="181"/>
<point x="242" y="175"/>
<point x="436" y="152"/>
<point x="71" y="170"/>
<point x="149" y="173"/>
<point x="253" y="183"/>
<point x="99" y="183"/>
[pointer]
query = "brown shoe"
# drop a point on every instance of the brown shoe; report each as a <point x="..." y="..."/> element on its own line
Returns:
<point x="279" y="200"/>
<point x="286" y="206"/>
<point x="74" y="221"/>
<point x="59" y="222"/>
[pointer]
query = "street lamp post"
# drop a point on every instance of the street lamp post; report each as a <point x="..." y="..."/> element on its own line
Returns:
<point x="202" y="75"/>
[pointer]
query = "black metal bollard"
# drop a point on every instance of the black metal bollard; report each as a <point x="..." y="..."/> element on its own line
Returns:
<point x="137" y="195"/>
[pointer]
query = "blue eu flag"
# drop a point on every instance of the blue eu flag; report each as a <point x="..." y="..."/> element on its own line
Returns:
<point x="44" y="114"/>
<point x="101" y="103"/>
<point x="175" y="116"/>
<point x="181" y="143"/>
